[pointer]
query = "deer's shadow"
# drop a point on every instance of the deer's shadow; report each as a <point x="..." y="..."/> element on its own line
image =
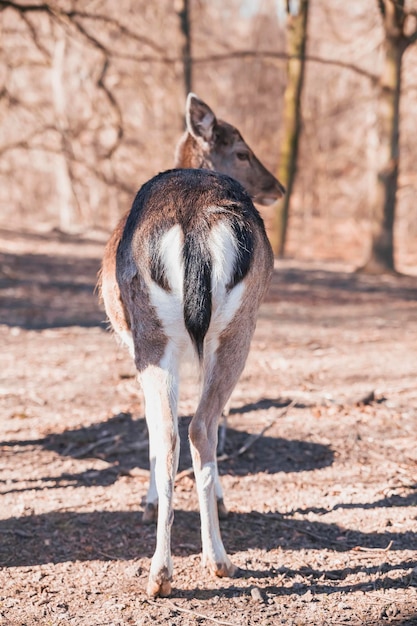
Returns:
<point x="122" y="442"/>
<point x="59" y="536"/>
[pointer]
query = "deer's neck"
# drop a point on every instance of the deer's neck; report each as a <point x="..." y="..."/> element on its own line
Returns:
<point x="189" y="154"/>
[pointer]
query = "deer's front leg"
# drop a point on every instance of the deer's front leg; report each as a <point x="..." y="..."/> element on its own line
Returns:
<point x="160" y="401"/>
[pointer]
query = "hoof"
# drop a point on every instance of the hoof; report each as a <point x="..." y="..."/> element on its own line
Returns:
<point x="158" y="587"/>
<point x="223" y="570"/>
<point x="221" y="509"/>
<point x="227" y="570"/>
<point x="159" y="584"/>
<point x="150" y="514"/>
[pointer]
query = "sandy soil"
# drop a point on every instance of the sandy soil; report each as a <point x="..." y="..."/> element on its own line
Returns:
<point x="323" y="504"/>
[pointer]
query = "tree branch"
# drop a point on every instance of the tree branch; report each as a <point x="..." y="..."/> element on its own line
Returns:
<point x="116" y="108"/>
<point x="26" y="143"/>
<point x="71" y="16"/>
<point x="74" y="18"/>
<point x="35" y="37"/>
<point x="25" y="8"/>
<point x="121" y="27"/>
<point x="239" y="54"/>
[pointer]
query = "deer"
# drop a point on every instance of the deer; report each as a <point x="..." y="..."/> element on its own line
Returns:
<point x="183" y="276"/>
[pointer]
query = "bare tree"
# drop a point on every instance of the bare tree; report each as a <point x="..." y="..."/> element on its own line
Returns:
<point x="297" y="20"/>
<point x="91" y="97"/>
<point x="183" y="9"/>
<point x="397" y="38"/>
<point x="63" y="168"/>
<point x="69" y="86"/>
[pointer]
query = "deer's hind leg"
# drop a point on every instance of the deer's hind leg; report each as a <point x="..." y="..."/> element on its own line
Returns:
<point x="159" y="384"/>
<point x="156" y="360"/>
<point x="222" y="371"/>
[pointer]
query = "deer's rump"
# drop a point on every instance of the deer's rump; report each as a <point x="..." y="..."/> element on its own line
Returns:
<point x="190" y="238"/>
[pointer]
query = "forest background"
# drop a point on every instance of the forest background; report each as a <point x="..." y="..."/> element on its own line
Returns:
<point x="92" y="97"/>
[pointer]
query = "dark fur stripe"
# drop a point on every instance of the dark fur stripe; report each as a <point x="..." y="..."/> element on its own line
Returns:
<point x="157" y="268"/>
<point x="244" y="239"/>
<point x="197" y="288"/>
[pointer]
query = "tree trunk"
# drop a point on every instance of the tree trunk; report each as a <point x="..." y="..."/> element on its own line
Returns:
<point x="296" y="48"/>
<point x="184" y="13"/>
<point x="381" y="256"/>
<point x="64" y="187"/>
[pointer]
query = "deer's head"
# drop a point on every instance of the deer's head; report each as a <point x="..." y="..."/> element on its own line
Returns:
<point x="214" y="144"/>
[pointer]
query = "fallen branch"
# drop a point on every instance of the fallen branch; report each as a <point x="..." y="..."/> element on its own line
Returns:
<point x="364" y="549"/>
<point x="175" y="607"/>
<point x="253" y="438"/>
<point x="92" y="446"/>
<point x="302" y="531"/>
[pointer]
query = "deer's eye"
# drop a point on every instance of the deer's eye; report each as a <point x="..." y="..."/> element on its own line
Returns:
<point x="242" y="156"/>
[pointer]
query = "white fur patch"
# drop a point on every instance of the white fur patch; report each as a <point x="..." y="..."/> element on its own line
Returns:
<point x="169" y="304"/>
<point x="206" y="477"/>
<point x="171" y="256"/>
<point x="223" y="247"/>
<point x="213" y="548"/>
<point x="127" y="339"/>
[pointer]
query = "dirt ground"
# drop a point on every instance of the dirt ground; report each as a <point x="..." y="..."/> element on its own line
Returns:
<point x="323" y="515"/>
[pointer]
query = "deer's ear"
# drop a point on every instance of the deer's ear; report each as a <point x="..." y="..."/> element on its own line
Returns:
<point x="200" y="118"/>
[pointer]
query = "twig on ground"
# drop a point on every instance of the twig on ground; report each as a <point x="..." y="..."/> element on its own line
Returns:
<point x="253" y="438"/>
<point x="248" y="443"/>
<point x="303" y="531"/>
<point x="115" y="440"/>
<point x="175" y="607"/>
<point x="92" y="446"/>
<point x="365" y="549"/>
<point x="112" y="557"/>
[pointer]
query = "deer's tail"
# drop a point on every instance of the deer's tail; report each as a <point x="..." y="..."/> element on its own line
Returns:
<point x="198" y="267"/>
<point x="215" y="261"/>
